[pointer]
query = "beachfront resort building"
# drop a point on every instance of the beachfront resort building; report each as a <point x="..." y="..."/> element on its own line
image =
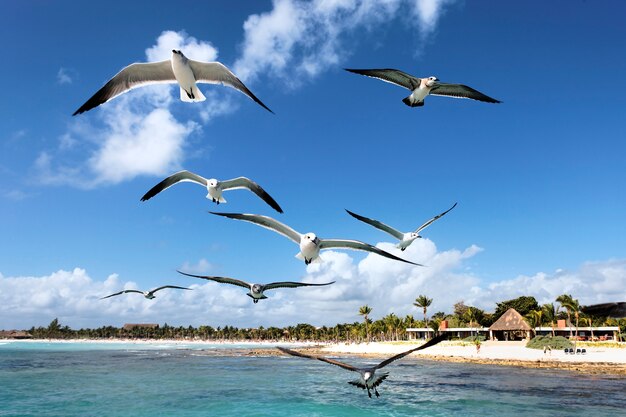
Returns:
<point x="512" y="326"/>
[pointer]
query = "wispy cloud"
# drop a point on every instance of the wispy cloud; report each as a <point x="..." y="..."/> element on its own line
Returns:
<point x="65" y="76"/>
<point x="300" y="39"/>
<point x="387" y="286"/>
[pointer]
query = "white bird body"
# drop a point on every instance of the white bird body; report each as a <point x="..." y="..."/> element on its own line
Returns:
<point x="214" y="187"/>
<point x="407" y="239"/>
<point x="419" y="94"/>
<point x="186" y="79"/>
<point x="309" y="248"/>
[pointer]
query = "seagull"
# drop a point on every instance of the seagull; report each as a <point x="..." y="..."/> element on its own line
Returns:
<point x="213" y="186"/>
<point x="405" y="238"/>
<point x="368" y="379"/>
<point x="148" y="294"/>
<point x="310" y="244"/>
<point x="615" y="310"/>
<point x="256" y="290"/>
<point x="421" y="87"/>
<point x="186" y="72"/>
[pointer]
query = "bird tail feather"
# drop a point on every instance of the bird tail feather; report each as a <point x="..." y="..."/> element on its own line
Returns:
<point x="197" y="95"/>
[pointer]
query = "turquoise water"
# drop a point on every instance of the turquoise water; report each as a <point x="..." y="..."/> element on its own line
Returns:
<point x="40" y="379"/>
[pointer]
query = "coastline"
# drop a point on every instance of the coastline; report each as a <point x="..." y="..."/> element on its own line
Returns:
<point x="607" y="361"/>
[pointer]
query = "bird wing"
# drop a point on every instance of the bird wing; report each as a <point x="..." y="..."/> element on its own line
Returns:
<point x="218" y="73"/>
<point x="428" y="344"/>
<point x="379" y="225"/>
<point x="319" y="358"/>
<point x="390" y="75"/>
<point x="169" y="286"/>
<point x="243" y="182"/>
<point x="356" y="245"/>
<point x="616" y="310"/>
<point x="290" y="284"/>
<point x="134" y="75"/>
<point x="265" y="221"/>
<point x="223" y="280"/>
<point x="429" y="222"/>
<point x="181" y="176"/>
<point x="121" y="292"/>
<point x="460" y="91"/>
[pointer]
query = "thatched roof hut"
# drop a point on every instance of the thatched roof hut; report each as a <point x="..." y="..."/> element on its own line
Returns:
<point x="14" y="334"/>
<point x="510" y="326"/>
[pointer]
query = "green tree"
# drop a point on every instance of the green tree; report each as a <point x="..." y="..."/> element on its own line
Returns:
<point x="567" y="302"/>
<point x="549" y="314"/>
<point x="365" y="311"/>
<point x="534" y="318"/>
<point x="522" y="305"/>
<point x="423" y="302"/>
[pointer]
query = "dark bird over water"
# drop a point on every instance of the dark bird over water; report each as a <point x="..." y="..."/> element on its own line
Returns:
<point x="422" y="87"/>
<point x="367" y="376"/>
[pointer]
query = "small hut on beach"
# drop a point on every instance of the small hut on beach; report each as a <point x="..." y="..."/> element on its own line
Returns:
<point x="510" y="326"/>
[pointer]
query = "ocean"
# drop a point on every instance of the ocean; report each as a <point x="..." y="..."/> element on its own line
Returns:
<point x="97" y="379"/>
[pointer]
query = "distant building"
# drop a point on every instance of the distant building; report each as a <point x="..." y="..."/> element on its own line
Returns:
<point x="131" y="326"/>
<point x="458" y="332"/>
<point x="15" y="334"/>
<point x="564" y="329"/>
<point x="510" y="326"/>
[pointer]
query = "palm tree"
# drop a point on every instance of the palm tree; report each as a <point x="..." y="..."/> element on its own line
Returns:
<point x="566" y="301"/>
<point x="365" y="311"/>
<point x="423" y="302"/>
<point x="549" y="314"/>
<point x="534" y="318"/>
<point x="472" y="315"/>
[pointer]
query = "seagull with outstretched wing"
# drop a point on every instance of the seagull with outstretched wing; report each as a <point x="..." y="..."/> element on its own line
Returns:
<point x="422" y="87"/>
<point x="148" y="294"/>
<point x="178" y="70"/>
<point x="310" y="244"/>
<point x="368" y="379"/>
<point x="405" y="238"/>
<point x="214" y="187"/>
<point x="256" y="290"/>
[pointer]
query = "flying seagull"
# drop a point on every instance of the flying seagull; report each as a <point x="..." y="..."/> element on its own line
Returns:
<point x="213" y="186"/>
<point x="310" y="244"/>
<point x="256" y="290"/>
<point x="186" y="72"/>
<point x="421" y="87"/>
<point x="615" y="310"/>
<point x="368" y="379"/>
<point x="148" y="294"/>
<point x="405" y="238"/>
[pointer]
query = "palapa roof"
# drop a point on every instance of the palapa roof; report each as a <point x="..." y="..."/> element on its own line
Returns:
<point x="511" y="320"/>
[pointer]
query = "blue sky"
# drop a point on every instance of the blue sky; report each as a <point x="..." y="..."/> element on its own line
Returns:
<point x="538" y="179"/>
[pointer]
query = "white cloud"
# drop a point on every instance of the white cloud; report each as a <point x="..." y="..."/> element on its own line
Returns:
<point x="304" y="38"/>
<point x="64" y="76"/>
<point x="387" y="286"/>
<point x="134" y="134"/>
<point x="137" y="134"/>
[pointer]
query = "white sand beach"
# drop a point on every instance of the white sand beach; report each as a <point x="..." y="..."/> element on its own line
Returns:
<point x="597" y="359"/>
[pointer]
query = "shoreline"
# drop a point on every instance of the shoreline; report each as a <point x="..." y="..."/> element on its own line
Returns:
<point x="599" y="360"/>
